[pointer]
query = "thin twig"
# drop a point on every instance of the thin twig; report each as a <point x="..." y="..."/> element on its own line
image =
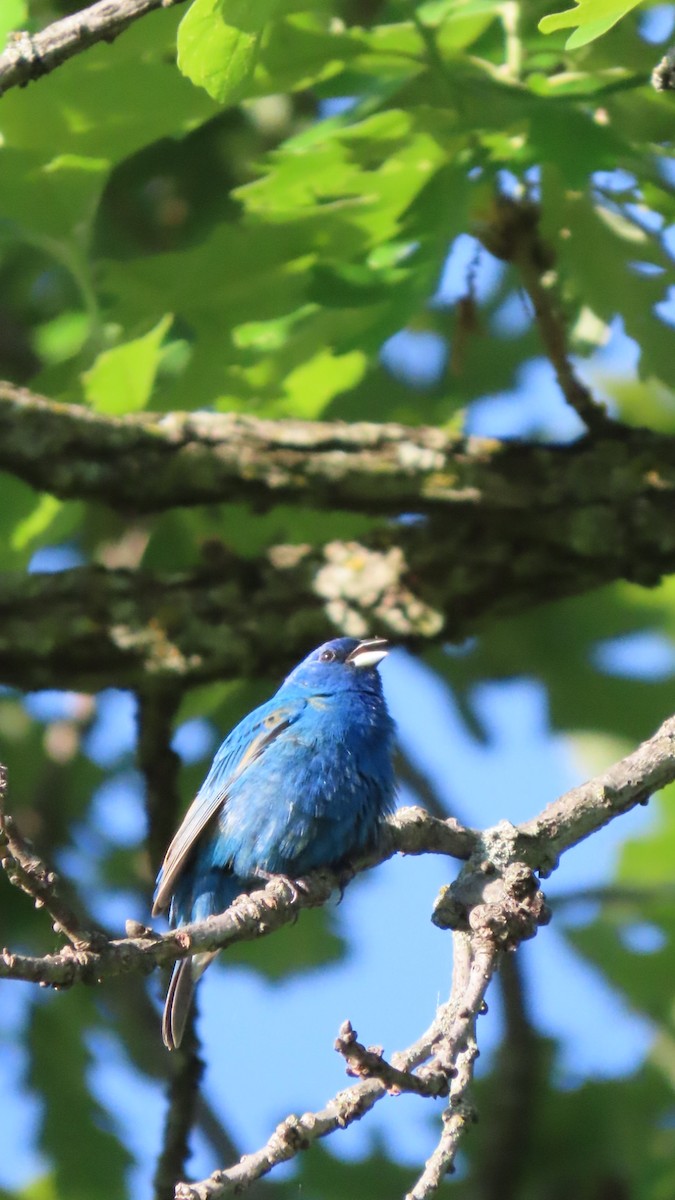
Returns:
<point x="27" y="871"/>
<point x="513" y="57"/>
<point x="452" y="1023"/>
<point x="553" y="334"/>
<point x="289" y="1138"/>
<point x="576" y="814"/>
<point x="298" y="1133"/>
<point x="514" y="236"/>
<point x="367" y="1062"/>
<point x="449" y="1043"/>
<point x="476" y="962"/>
<point x="29" y="56"/>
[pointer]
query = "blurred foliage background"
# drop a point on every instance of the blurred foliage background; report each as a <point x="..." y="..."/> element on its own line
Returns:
<point x="293" y="224"/>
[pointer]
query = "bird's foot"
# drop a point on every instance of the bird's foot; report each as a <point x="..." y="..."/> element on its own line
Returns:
<point x="295" y="886"/>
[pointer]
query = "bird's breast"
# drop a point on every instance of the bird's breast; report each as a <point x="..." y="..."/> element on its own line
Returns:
<point x="316" y="796"/>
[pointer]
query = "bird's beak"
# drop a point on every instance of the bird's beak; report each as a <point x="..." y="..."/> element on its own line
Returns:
<point x="368" y="653"/>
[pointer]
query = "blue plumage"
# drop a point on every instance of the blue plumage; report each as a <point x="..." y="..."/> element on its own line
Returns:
<point x="302" y="782"/>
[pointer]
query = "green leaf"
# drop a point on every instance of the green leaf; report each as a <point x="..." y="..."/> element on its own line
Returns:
<point x="607" y="281"/>
<point x="56" y="199"/>
<point x="12" y="16"/>
<point x="72" y="111"/>
<point x="648" y="860"/>
<point x="313" y="384"/>
<point x="300" y="50"/>
<point x="465" y="22"/>
<point x="312" y="943"/>
<point x="121" y="380"/>
<point x="219" y="44"/>
<point x="39" y="520"/>
<point x="61" y="338"/>
<point x="591" y="17"/>
<point x="44" y="1188"/>
<point x="75" y="1131"/>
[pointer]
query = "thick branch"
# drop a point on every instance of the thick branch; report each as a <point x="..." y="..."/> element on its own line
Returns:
<point x="29" y="56"/>
<point x="150" y="462"/>
<point x="91" y="627"/>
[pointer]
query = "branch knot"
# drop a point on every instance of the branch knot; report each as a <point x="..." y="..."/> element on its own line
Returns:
<point x="501" y="907"/>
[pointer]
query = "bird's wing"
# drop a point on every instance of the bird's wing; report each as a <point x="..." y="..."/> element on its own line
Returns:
<point x="242" y="747"/>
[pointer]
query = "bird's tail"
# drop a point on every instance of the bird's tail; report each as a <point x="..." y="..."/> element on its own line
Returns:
<point x="179" y="997"/>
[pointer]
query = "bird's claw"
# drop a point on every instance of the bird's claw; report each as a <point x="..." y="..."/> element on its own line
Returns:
<point x="345" y="876"/>
<point x="295" y="886"/>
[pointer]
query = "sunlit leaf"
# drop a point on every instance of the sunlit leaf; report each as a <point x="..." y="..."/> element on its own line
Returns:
<point x="121" y="380"/>
<point x="592" y="18"/>
<point x="219" y="44"/>
<point x="12" y="16"/>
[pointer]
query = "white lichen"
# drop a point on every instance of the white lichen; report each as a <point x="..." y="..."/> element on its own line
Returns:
<point x="361" y="586"/>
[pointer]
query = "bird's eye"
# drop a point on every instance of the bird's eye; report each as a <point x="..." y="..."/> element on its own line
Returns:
<point x="327" y="656"/>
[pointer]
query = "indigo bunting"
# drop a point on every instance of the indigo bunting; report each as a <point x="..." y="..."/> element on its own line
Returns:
<point x="302" y="782"/>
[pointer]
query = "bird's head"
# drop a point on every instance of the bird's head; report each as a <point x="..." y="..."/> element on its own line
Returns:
<point x="341" y="664"/>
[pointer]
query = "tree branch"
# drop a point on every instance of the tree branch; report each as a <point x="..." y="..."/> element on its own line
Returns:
<point x="494" y="904"/>
<point x="186" y="1070"/>
<point x="529" y="523"/>
<point x="514" y="237"/>
<point x="29" y="56"/>
<point x="408" y="831"/>
<point x="535" y="845"/>
<point x="298" y="1133"/>
<point x="157" y="707"/>
<point x="475" y="962"/>
<point x="449" y="1041"/>
<point x="416" y="581"/>
<point x="27" y="871"/>
<point x="583" y="810"/>
<point x="150" y="462"/>
<point x="367" y="1062"/>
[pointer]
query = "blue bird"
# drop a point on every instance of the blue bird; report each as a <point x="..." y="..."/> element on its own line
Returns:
<point x="302" y="782"/>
